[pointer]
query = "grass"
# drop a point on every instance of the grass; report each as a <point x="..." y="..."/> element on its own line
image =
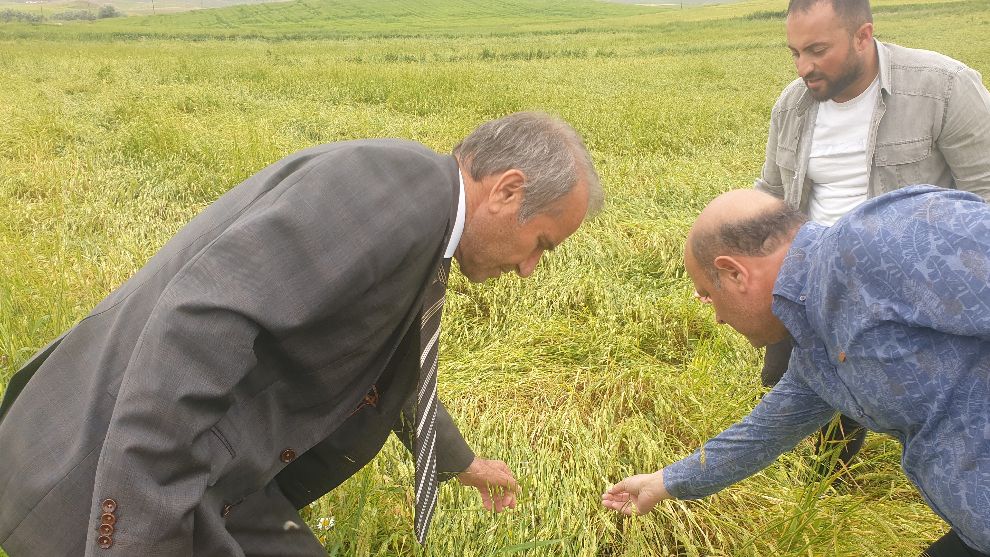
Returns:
<point x="601" y="365"/>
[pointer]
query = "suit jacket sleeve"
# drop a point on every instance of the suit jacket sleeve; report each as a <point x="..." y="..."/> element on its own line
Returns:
<point x="453" y="453"/>
<point x="316" y="242"/>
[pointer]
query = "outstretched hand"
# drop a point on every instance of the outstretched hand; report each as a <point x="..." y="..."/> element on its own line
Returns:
<point x="636" y="494"/>
<point x="494" y="481"/>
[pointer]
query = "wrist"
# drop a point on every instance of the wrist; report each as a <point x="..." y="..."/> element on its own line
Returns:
<point x="661" y="485"/>
<point x="464" y="474"/>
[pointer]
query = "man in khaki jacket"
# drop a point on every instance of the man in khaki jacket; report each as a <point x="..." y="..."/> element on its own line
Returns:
<point x="864" y="118"/>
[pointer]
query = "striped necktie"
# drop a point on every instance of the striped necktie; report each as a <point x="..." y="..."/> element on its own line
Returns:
<point x="426" y="403"/>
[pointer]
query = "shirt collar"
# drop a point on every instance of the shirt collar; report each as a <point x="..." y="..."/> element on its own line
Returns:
<point x="455" y="234"/>
<point x="790" y="291"/>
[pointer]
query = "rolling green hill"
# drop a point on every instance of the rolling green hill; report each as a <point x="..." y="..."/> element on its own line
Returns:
<point x="393" y="17"/>
<point x="336" y="18"/>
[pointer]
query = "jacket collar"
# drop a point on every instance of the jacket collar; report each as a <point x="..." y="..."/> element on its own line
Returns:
<point x="883" y="54"/>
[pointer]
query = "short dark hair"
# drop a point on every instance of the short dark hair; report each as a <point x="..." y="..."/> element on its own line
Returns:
<point x="853" y="13"/>
<point x="755" y="236"/>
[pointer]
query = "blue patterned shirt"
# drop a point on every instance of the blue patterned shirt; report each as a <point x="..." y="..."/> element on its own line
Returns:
<point x="889" y="310"/>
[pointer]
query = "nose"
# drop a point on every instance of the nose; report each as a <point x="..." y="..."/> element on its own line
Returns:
<point x="527" y="267"/>
<point x="718" y="319"/>
<point x="802" y="65"/>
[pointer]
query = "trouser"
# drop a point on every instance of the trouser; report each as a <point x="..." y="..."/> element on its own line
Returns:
<point x="849" y="434"/>
<point x="265" y="523"/>
<point x="950" y="545"/>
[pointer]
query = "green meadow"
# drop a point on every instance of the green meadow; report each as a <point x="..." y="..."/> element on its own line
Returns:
<point x="114" y="133"/>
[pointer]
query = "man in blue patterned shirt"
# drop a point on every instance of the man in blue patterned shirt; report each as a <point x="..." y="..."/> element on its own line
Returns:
<point x="889" y="311"/>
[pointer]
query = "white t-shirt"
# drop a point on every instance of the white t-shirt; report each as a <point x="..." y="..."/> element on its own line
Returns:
<point x="837" y="166"/>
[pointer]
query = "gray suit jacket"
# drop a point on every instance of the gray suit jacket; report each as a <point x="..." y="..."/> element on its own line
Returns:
<point x="243" y="344"/>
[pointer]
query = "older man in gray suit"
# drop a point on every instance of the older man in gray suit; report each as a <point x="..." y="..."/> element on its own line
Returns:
<point x="266" y="352"/>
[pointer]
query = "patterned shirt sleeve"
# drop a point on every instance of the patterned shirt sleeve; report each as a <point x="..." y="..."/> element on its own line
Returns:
<point x="786" y="415"/>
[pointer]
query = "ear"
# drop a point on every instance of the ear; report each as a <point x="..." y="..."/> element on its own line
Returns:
<point x="864" y="36"/>
<point x="508" y="189"/>
<point x="732" y="273"/>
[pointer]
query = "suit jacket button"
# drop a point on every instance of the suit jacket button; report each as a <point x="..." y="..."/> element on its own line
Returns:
<point x="107" y="518"/>
<point x="109" y="506"/>
<point x="106" y="530"/>
<point x="287" y="456"/>
<point x="105" y="542"/>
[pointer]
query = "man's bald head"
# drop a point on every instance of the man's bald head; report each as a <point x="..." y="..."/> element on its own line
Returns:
<point x="741" y="222"/>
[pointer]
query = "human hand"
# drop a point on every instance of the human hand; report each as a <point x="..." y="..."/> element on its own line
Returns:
<point x="636" y="494"/>
<point x="494" y="481"/>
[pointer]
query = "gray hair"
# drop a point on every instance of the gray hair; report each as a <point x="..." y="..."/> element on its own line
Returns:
<point x="547" y="150"/>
